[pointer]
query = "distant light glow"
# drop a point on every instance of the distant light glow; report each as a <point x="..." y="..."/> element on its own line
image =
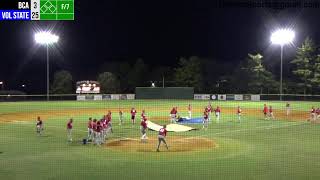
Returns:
<point x="282" y="36"/>
<point x="153" y="85"/>
<point x="46" y="38"/>
<point x="1" y="82"/>
<point x="23" y="85"/>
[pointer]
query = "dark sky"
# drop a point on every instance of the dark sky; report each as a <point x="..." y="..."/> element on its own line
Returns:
<point x="157" y="31"/>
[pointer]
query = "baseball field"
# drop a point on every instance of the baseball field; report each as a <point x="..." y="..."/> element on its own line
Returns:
<point x="255" y="148"/>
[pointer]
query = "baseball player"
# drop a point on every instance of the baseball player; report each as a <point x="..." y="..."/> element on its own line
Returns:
<point x="190" y="111"/>
<point x="265" y="111"/>
<point x="209" y="110"/>
<point x="133" y="115"/>
<point x="98" y="139"/>
<point x="318" y="113"/>
<point x="143" y="129"/>
<point x="162" y="137"/>
<point x="173" y="114"/>
<point x="288" y="109"/>
<point x="271" y="116"/>
<point x="239" y="111"/>
<point x="143" y="114"/>
<point x="69" y="130"/>
<point x="120" y="117"/>
<point x="313" y="114"/>
<point x="205" y="119"/>
<point x="90" y="129"/>
<point x="94" y="128"/>
<point x="39" y="126"/>
<point x="217" y="112"/>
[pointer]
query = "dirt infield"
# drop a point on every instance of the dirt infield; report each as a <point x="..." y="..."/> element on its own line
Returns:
<point x="176" y="144"/>
<point x="30" y="116"/>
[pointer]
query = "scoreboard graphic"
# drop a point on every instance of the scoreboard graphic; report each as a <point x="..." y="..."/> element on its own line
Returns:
<point x="35" y="10"/>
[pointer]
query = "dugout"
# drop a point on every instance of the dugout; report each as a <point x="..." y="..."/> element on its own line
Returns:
<point x="164" y="93"/>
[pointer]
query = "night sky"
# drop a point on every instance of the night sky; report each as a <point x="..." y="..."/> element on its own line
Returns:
<point x="159" y="32"/>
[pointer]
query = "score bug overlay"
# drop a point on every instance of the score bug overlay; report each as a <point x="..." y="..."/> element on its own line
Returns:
<point x="26" y="10"/>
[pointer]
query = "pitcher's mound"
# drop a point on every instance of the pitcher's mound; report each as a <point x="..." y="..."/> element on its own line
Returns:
<point x="176" y="144"/>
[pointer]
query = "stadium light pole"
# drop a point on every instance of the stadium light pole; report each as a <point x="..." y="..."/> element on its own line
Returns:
<point x="46" y="38"/>
<point x="282" y="37"/>
<point x="1" y="83"/>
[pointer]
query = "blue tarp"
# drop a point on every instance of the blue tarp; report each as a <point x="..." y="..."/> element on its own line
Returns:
<point x="190" y="121"/>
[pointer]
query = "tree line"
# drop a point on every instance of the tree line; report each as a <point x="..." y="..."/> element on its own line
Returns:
<point x="250" y="75"/>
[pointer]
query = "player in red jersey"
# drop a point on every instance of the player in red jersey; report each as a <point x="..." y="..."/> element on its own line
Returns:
<point x="190" y="111"/>
<point x="98" y="139"/>
<point x="313" y="114"/>
<point x="94" y="128"/>
<point x="209" y="110"/>
<point x="143" y="114"/>
<point x="218" y="113"/>
<point x="288" y="109"/>
<point x="205" y="119"/>
<point x="69" y="130"/>
<point x="90" y="129"/>
<point x="265" y="111"/>
<point x="173" y="114"/>
<point x="143" y="129"/>
<point x="133" y="115"/>
<point x="271" y="116"/>
<point x="120" y="117"/>
<point x="39" y="126"/>
<point x="239" y="111"/>
<point x="162" y="137"/>
<point x="318" y="113"/>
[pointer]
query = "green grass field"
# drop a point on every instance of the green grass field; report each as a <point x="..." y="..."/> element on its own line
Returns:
<point x="253" y="149"/>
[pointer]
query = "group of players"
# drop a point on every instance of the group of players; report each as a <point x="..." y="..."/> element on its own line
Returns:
<point x="314" y="114"/>
<point x="98" y="130"/>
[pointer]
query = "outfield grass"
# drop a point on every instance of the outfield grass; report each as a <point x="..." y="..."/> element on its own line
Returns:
<point x="252" y="149"/>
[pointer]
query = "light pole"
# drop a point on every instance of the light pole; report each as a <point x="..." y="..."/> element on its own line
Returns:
<point x="46" y="38"/>
<point x="282" y="37"/>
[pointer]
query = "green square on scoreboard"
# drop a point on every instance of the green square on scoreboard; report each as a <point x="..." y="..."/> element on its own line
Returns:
<point x="48" y="6"/>
<point x="65" y="6"/>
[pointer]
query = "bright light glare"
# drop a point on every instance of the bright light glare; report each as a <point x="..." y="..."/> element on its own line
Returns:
<point x="282" y="36"/>
<point x="46" y="38"/>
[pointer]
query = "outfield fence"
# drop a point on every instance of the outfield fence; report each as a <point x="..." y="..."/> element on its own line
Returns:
<point x="209" y="97"/>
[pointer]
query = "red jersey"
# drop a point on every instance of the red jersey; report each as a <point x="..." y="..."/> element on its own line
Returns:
<point x="99" y="128"/>
<point x="270" y="110"/>
<point x="239" y="110"/>
<point x="143" y="115"/>
<point x="163" y="132"/>
<point x="189" y="108"/>
<point x="313" y="110"/>
<point x="39" y="122"/>
<point x="144" y="124"/>
<point x="217" y="110"/>
<point x="133" y="112"/>
<point x="94" y="125"/>
<point x="90" y="124"/>
<point x="205" y="115"/>
<point x="69" y="125"/>
<point x="209" y="108"/>
<point x="265" y="109"/>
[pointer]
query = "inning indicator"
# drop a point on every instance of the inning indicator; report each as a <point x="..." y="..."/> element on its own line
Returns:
<point x="27" y="10"/>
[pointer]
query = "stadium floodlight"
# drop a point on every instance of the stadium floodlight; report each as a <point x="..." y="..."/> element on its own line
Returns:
<point x="1" y="83"/>
<point x="46" y="38"/>
<point x="153" y="84"/>
<point x="282" y="37"/>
